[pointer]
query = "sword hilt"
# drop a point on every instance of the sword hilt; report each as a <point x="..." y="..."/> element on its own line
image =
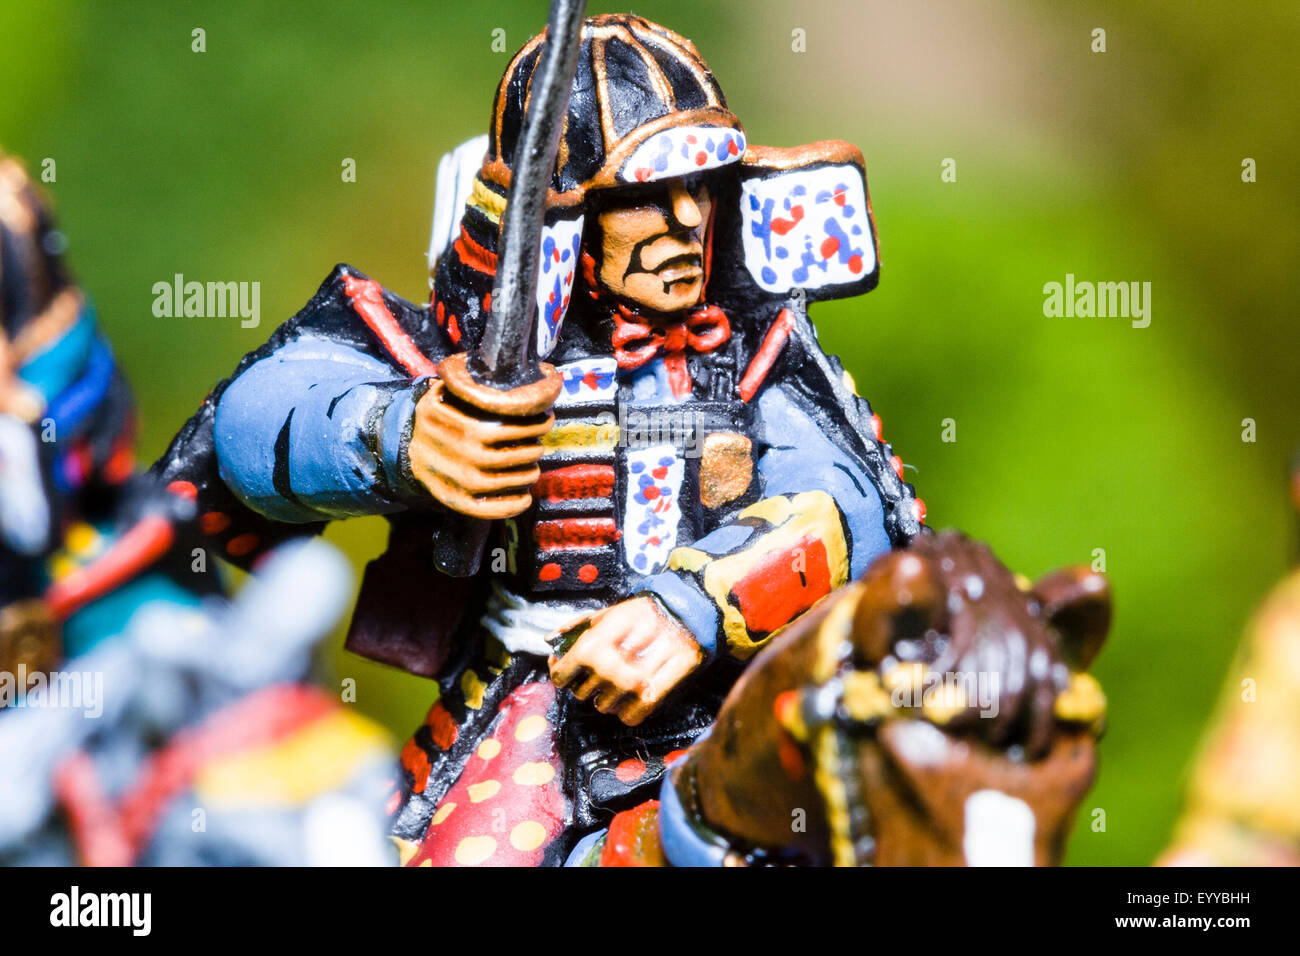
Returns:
<point x="467" y="404"/>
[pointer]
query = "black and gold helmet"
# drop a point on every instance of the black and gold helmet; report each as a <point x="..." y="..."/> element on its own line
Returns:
<point x="644" y="106"/>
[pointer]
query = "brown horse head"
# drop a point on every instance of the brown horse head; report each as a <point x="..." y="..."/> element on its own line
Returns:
<point x="938" y="711"/>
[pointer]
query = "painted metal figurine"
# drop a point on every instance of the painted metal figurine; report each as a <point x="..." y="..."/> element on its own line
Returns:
<point x="83" y="540"/>
<point x="144" y="718"/>
<point x="675" y="474"/>
<point x="1243" y="800"/>
<point x="201" y="743"/>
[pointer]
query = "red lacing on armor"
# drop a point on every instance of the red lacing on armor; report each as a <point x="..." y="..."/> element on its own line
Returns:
<point x="637" y="340"/>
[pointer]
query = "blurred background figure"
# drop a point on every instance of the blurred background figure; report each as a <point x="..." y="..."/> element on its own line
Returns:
<point x="1243" y="804"/>
<point x="195" y="742"/>
<point x="84" y="539"/>
<point x="143" y="718"/>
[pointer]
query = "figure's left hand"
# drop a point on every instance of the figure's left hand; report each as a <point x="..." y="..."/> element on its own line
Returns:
<point x="628" y="659"/>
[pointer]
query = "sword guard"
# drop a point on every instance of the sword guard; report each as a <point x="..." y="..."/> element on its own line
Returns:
<point x="531" y="398"/>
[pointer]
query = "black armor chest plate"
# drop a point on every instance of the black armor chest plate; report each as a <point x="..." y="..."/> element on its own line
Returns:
<point x="629" y="473"/>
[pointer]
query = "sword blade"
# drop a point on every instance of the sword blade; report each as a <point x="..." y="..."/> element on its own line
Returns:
<point x="503" y="358"/>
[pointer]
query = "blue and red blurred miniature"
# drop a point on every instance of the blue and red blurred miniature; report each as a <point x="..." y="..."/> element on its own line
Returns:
<point x="143" y="717"/>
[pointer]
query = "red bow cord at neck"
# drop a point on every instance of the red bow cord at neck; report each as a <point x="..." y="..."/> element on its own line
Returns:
<point x="637" y="340"/>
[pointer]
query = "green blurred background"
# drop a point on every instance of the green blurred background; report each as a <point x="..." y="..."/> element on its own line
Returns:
<point x="1072" y="434"/>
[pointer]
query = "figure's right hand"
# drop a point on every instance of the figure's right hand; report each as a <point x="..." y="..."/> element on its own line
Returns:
<point x="476" y="449"/>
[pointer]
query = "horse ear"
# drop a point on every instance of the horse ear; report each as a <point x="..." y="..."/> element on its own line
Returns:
<point x="901" y="597"/>
<point x="1076" y="603"/>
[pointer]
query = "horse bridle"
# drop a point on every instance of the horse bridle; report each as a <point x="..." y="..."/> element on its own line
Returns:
<point x="824" y="718"/>
<point x="843" y="703"/>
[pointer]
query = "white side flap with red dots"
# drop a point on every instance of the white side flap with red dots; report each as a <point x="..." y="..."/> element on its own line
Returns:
<point x="557" y="266"/>
<point x="806" y="221"/>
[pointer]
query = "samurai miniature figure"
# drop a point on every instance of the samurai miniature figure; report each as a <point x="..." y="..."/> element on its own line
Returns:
<point x="583" y="555"/>
<point x="83" y="539"/>
<point x="130" y="692"/>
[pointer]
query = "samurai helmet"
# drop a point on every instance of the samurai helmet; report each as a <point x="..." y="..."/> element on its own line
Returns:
<point x="643" y="107"/>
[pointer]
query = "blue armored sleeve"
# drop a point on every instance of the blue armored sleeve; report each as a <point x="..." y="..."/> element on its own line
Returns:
<point x="801" y="458"/>
<point x="819" y="524"/>
<point x="317" y="430"/>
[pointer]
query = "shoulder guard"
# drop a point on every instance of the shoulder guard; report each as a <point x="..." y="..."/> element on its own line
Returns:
<point x="348" y="308"/>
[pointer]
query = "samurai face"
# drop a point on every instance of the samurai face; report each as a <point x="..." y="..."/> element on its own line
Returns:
<point x="653" y="242"/>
